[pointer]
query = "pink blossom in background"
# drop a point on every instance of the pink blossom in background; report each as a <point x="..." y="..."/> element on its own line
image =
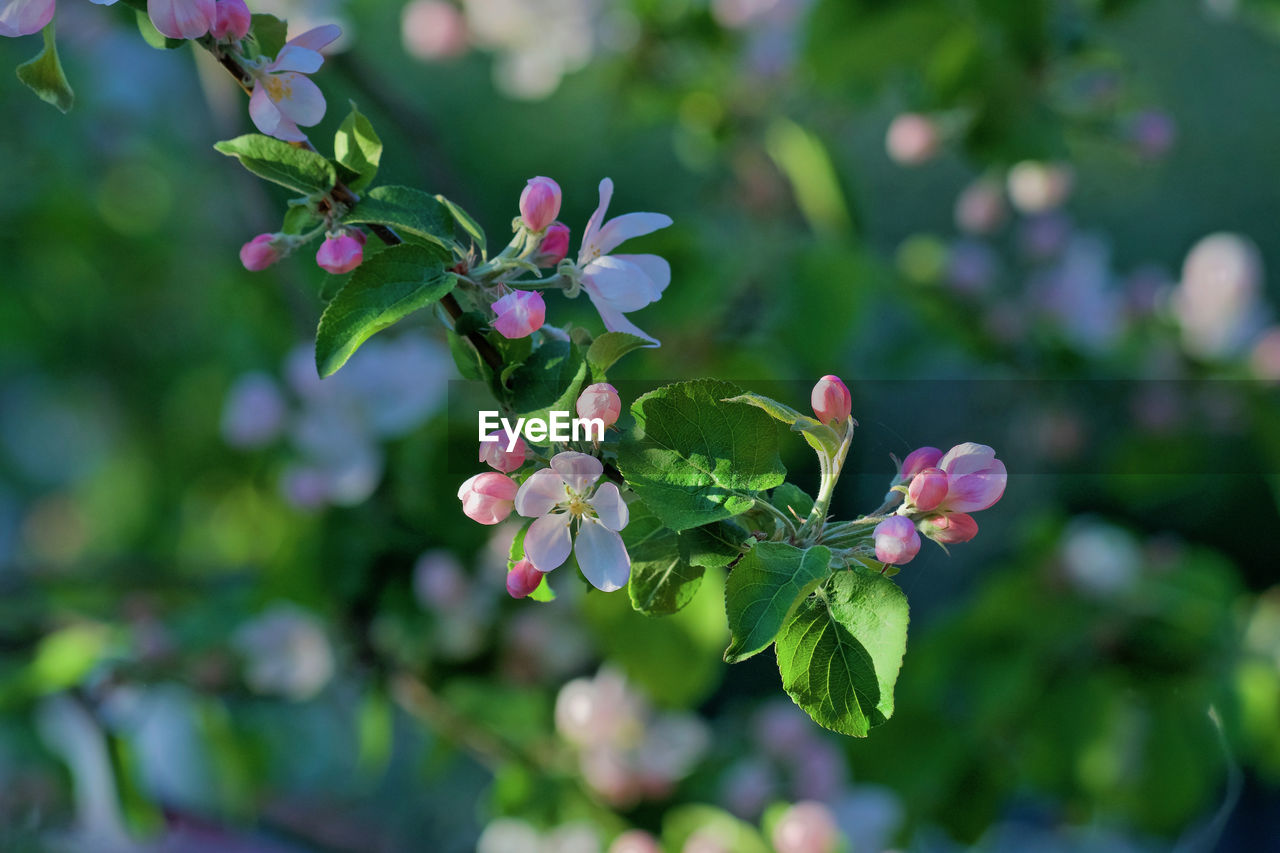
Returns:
<point x="912" y="139"/>
<point x="433" y="30"/>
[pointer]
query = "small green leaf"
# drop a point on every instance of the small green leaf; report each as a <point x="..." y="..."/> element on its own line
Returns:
<point x="43" y="75"/>
<point x="467" y="359"/>
<point x="299" y="218"/>
<point x="268" y="34"/>
<point x="694" y="458"/>
<point x="550" y="379"/>
<point x="820" y="436"/>
<point x="406" y="209"/>
<point x="465" y="221"/>
<point x="279" y="162"/>
<point x="383" y="290"/>
<point x="662" y="582"/>
<point x="839" y="657"/>
<point x="605" y="351"/>
<point x="715" y="545"/>
<point x="763" y="591"/>
<point x="792" y="500"/>
<point x="357" y="147"/>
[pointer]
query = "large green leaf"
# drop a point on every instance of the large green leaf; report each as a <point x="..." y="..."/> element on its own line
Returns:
<point x="694" y="458"/>
<point x="384" y="289"/>
<point x="357" y="148"/>
<point x="839" y="657"/>
<point x="715" y="545"/>
<point x="763" y="591"/>
<point x="549" y="380"/>
<point x="279" y="162"/>
<point x="661" y="582"/>
<point x="43" y="75"/>
<point x="407" y="210"/>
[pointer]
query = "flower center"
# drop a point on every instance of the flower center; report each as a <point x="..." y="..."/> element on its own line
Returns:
<point x="278" y="89"/>
<point x="578" y="507"/>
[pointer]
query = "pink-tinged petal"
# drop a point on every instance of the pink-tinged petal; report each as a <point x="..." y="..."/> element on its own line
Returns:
<point x="24" y="17"/>
<point x="318" y="38"/>
<point x="579" y="470"/>
<point x="658" y="270"/>
<point x="622" y="228"/>
<point x="917" y="460"/>
<point x="547" y="542"/>
<point x="614" y="320"/>
<point x="601" y="556"/>
<point x="623" y="284"/>
<point x="540" y="494"/>
<point x="966" y="458"/>
<point x="182" y="19"/>
<point x="593" y="224"/>
<point x="297" y="98"/>
<point x="287" y="131"/>
<point x="973" y="492"/>
<point x="610" y="508"/>
<point x="295" y="58"/>
<point x="103" y="2"/>
<point x="263" y="111"/>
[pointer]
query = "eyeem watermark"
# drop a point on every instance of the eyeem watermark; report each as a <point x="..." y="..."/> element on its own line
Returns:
<point x="558" y="426"/>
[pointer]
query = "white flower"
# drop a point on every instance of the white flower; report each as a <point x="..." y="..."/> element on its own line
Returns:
<point x="563" y="494"/>
<point x="283" y="96"/>
<point x="621" y="283"/>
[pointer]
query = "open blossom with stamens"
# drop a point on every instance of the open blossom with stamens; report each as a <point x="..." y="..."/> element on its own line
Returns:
<point x="617" y="284"/>
<point x="283" y="96"/>
<point x="564" y="497"/>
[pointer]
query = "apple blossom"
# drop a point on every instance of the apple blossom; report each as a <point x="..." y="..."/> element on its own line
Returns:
<point x="635" y="841"/>
<point x="232" y="19"/>
<point x="283" y="96"/>
<point x="563" y="494"/>
<point x="554" y="246"/>
<point x="523" y="579"/>
<point x="831" y="400"/>
<point x="261" y="252"/>
<point x="601" y="401"/>
<point x="520" y="314"/>
<point x="916" y="461"/>
<point x="806" y="827"/>
<point x="980" y="207"/>
<point x="1036" y="187"/>
<point x="539" y="204"/>
<point x="617" y="284"/>
<point x="340" y="253"/>
<point x="928" y="489"/>
<point x="896" y="540"/>
<point x="975" y="477"/>
<point x="182" y="19"/>
<point x="488" y="498"/>
<point x="495" y="454"/>
<point x="433" y="29"/>
<point x="912" y="139"/>
<point x="949" y="528"/>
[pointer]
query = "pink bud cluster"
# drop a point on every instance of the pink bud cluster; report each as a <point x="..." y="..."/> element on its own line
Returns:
<point x="341" y="252"/>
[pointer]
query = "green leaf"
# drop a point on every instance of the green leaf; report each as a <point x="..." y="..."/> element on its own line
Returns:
<point x="820" y="436"/>
<point x="154" y="37"/>
<point x="281" y="163"/>
<point x="357" y="147"/>
<point x="44" y="76"/>
<point x="299" y="218"/>
<point x="406" y="209"/>
<point x="789" y="498"/>
<point x="695" y="459"/>
<point x="464" y="220"/>
<point x="383" y="290"/>
<point x="714" y="545"/>
<point x="605" y="351"/>
<point x="550" y="379"/>
<point x="662" y="582"/>
<point x="544" y="592"/>
<point x="839" y="657"/>
<point x="467" y="359"/>
<point x="763" y="591"/>
<point x="268" y="34"/>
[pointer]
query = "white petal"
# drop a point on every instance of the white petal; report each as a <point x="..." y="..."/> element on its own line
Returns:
<point x="318" y="38"/>
<point x="626" y="286"/>
<point x="540" y="493"/>
<point x="966" y="458"/>
<point x="589" y="249"/>
<point x="614" y="320"/>
<point x="579" y="470"/>
<point x="658" y="270"/>
<point x="610" y="507"/>
<point x="295" y="58"/>
<point x="263" y="111"/>
<point x="547" y="542"/>
<point x="601" y="556"/>
<point x="182" y="19"/>
<point x="622" y="228"/>
<point x="301" y="101"/>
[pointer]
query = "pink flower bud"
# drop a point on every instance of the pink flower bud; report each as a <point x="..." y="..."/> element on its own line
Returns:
<point x="523" y="579"/>
<point x="950" y="528"/>
<point x="975" y="477"/>
<point x="601" y="401"/>
<point x="495" y="454"/>
<point x="806" y="827"/>
<point x="928" y="489"/>
<point x="896" y="540"/>
<point x="831" y="400"/>
<point x="260" y="252"/>
<point x="340" y="254"/>
<point x="913" y="139"/>
<point x="539" y="203"/>
<point x="488" y="498"/>
<point x="231" y="18"/>
<point x="520" y="313"/>
<point x="635" y="841"/>
<point x="554" y="246"/>
<point x="916" y="461"/>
